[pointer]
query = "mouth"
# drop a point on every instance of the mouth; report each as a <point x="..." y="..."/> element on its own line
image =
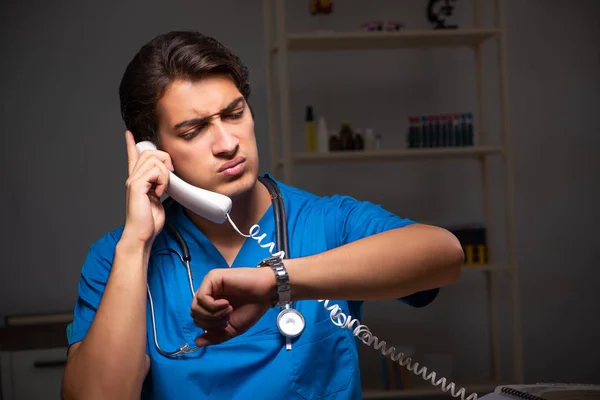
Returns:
<point x="233" y="167"/>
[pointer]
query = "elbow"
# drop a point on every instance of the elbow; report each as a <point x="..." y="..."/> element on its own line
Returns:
<point x="453" y="259"/>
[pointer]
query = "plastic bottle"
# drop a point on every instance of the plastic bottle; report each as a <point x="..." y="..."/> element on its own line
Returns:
<point x="425" y="132"/>
<point x="359" y="141"/>
<point x="464" y="141"/>
<point x="346" y="137"/>
<point x="443" y="131"/>
<point x="410" y="134"/>
<point x="310" y="130"/>
<point x="470" y="135"/>
<point x="334" y="142"/>
<point x="437" y="131"/>
<point x="449" y="131"/>
<point x="457" y="136"/>
<point x="322" y="135"/>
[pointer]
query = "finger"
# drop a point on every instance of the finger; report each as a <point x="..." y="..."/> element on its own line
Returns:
<point x="198" y="312"/>
<point x="162" y="181"/>
<point x="212" y="325"/>
<point x="209" y="294"/>
<point x="208" y="308"/>
<point x="162" y="156"/>
<point x="132" y="155"/>
<point x="150" y="174"/>
<point x="216" y="337"/>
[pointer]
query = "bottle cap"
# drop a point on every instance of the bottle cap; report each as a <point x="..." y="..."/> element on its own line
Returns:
<point x="309" y="113"/>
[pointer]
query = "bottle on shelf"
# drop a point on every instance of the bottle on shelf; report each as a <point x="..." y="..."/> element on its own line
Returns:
<point x="437" y="131"/>
<point x="470" y="134"/>
<point x="456" y="132"/>
<point x="410" y="135"/>
<point x="334" y="141"/>
<point x="449" y="131"/>
<point x="359" y="141"/>
<point x="424" y="140"/>
<point x="310" y="130"/>
<point x="369" y="139"/>
<point x="443" y="130"/>
<point x="378" y="141"/>
<point x="322" y="135"/>
<point x="346" y="136"/>
<point x="464" y="140"/>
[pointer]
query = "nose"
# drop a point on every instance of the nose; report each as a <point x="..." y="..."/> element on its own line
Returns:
<point x="225" y="143"/>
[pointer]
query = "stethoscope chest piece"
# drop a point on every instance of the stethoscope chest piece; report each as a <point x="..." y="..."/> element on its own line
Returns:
<point x="290" y="322"/>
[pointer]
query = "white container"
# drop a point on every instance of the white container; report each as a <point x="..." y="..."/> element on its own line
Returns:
<point x="322" y="136"/>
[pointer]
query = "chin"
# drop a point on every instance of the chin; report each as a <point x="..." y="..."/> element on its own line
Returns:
<point x="240" y="185"/>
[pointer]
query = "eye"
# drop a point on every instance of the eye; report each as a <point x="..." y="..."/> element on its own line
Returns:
<point x="190" y="135"/>
<point x="236" y="115"/>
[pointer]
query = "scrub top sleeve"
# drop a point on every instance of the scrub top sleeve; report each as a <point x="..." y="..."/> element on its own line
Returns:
<point x="94" y="276"/>
<point x="359" y="219"/>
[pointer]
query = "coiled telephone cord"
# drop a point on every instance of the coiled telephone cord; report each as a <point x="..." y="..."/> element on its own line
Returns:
<point x="362" y="332"/>
<point x="254" y="230"/>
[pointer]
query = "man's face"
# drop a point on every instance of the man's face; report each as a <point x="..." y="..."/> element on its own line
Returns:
<point x="208" y="130"/>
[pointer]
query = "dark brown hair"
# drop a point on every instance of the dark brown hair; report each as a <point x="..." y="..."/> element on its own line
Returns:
<point x="175" y="55"/>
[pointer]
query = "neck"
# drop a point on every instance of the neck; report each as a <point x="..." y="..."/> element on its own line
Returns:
<point x="247" y="209"/>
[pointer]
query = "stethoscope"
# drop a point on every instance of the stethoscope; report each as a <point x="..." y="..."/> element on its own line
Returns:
<point x="290" y="321"/>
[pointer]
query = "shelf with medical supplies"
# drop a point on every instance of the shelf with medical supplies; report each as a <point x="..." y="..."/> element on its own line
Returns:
<point x="388" y="40"/>
<point x="381" y="155"/>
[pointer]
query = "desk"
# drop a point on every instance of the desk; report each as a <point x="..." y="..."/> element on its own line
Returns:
<point x="32" y="361"/>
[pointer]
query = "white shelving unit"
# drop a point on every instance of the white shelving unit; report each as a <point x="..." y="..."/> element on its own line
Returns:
<point x="280" y="43"/>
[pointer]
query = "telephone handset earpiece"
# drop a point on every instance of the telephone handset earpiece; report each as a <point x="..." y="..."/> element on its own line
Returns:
<point x="212" y="206"/>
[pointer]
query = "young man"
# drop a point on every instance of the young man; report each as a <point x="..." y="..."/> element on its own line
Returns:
<point x="188" y="94"/>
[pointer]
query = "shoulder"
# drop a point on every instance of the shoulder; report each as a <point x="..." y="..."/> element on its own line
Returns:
<point x="104" y="246"/>
<point x="299" y="198"/>
<point x="100" y="255"/>
<point x="337" y="205"/>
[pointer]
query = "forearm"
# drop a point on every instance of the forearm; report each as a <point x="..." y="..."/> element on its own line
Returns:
<point x="388" y="265"/>
<point x="111" y="360"/>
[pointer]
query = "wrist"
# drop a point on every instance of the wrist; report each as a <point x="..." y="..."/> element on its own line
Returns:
<point x="132" y="242"/>
<point x="278" y="270"/>
<point x="131" y="246"/>
<point x="271" y="291"/>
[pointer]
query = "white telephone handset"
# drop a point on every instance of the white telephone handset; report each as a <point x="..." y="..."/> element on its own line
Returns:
<point x="212" y="206"/>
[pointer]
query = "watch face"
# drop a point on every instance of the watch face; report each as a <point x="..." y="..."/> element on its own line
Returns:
<point x="290" y="322"/>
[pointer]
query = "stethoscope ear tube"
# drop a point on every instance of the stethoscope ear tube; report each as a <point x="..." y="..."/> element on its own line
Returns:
<point x="280" y="215"/>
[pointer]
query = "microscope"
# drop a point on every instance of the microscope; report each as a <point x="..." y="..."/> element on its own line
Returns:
<point x="438" y="11"/>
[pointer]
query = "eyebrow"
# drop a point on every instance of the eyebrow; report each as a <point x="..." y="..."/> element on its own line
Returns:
<point x="199" y="121"/>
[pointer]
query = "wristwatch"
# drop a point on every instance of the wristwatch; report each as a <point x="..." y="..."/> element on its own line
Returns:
<point x="282" y="278"/>
<point x="290" y="321"/>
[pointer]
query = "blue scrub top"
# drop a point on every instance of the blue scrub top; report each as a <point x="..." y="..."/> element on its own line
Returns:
<point x="323" y="362"/>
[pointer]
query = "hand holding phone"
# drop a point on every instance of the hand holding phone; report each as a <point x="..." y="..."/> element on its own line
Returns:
<point x="210" y="205"/>
<point x="148" y="179"/>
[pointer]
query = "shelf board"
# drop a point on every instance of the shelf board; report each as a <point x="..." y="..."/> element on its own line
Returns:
<point x="393" y="154"/>
<point x="478" y="388"/>
<point x="362" y="40"/>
